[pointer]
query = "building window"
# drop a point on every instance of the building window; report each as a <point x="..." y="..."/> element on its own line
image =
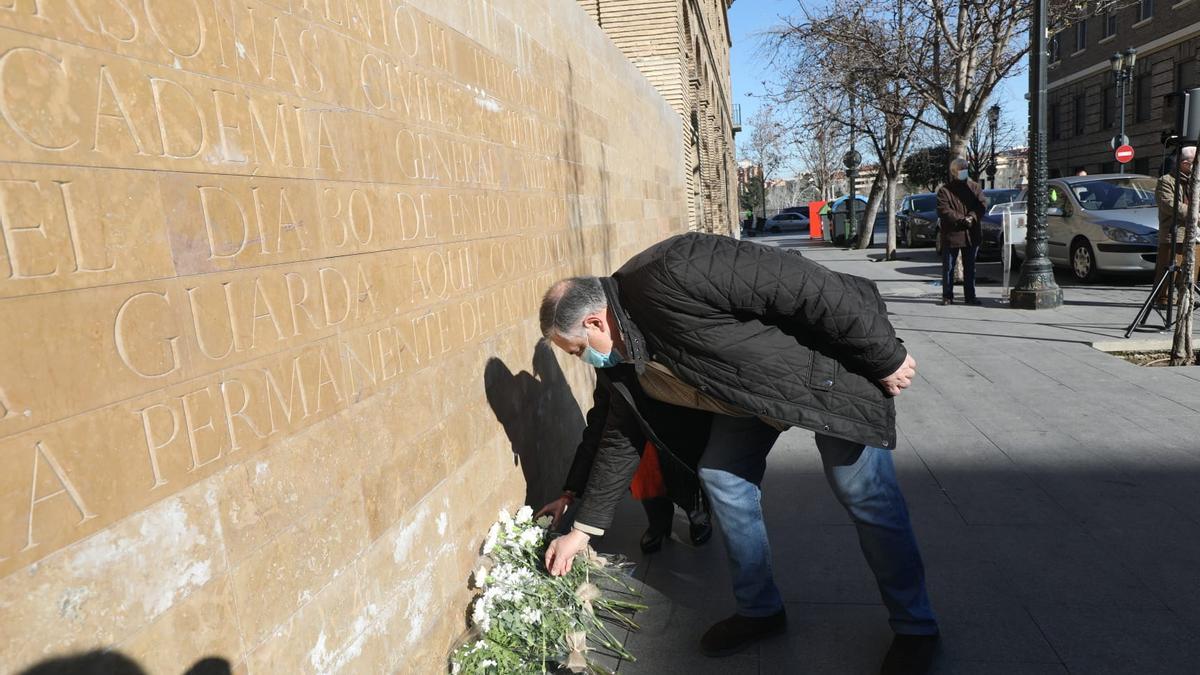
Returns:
<point x="1081" y="35"/>
<point x="1141" y="99"/>
<point x="1142" y="165"/>
<point x="1110" y="24"/>
<point x="1145" y="10"/>
<point x="1054" y="47"/>
<point x="1110" y="107"/>
<point x="1185" y="75"/>
<point x="1055" y="131"/>
<point x="1080" y="115"/>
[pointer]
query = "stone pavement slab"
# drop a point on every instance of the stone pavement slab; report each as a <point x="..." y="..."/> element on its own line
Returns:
<point x="1055" y="491"/>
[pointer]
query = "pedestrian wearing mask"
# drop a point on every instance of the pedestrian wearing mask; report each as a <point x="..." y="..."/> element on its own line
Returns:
<point x="960" y="208"/>
<point x="760" y="340"/>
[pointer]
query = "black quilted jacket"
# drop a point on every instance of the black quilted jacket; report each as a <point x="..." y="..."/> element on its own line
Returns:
<point x="761" y="328"/>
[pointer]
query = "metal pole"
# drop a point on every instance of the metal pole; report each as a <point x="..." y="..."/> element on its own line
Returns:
<point x="1036" y="288"/>
<point x="1123" y="76"/>
<point x="992" y="166"/>
<point x="851" y="171"/>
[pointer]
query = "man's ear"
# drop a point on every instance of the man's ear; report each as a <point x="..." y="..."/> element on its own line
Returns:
<point x="595" y="320"/>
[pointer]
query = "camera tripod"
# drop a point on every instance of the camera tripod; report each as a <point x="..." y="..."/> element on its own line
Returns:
<point x="1169" y="277"/>
<point x="1171" y="274"/>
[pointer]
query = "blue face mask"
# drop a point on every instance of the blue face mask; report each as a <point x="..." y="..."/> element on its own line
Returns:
<point x="597" y="360"/>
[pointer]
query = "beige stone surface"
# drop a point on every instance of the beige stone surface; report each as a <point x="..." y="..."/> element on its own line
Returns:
<point x="255" y="259"/>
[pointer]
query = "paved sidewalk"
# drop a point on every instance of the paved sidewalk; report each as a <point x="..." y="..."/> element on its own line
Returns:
<point x="1055" y="491"/>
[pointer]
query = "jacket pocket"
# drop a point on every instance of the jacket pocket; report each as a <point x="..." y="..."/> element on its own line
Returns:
<point x="824" y="373"/>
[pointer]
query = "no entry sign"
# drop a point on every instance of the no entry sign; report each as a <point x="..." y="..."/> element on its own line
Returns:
<point x="1124" y="154"/>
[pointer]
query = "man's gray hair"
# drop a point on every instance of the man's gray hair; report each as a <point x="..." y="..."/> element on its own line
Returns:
<point x="566" y="304"/>
<point x="1188" y="152"/>
<point x="958" y="164"/>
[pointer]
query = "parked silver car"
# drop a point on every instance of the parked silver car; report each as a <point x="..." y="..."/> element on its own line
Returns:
<point x="1104" y="223"/>
<point x="787" y="222"/>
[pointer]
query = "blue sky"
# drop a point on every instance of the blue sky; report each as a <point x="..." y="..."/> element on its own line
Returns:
<point x="749" y="69"/>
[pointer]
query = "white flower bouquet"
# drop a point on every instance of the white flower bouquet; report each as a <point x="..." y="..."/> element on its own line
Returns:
<point x="526" y="621"/>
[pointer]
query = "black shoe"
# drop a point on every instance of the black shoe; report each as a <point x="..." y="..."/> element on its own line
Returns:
<point x="653" y="538"/>
<point x="734" y="634"/>
<point x="660" y="513"/>
<point x="910" y="655"/>
<point x="947" y="301"/>
<point x="699" y="527"/>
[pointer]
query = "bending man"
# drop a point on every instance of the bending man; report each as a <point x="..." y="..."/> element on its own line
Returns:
<point x="764" y="340"/>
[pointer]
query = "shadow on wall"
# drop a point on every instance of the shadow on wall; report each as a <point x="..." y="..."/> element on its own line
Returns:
<point x="541" y="418"/>
<point x="101" y="662"/>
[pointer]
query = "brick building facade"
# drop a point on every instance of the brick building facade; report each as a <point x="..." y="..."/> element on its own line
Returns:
<point x="682" y="47"/>
<point x="1084" y="99"/>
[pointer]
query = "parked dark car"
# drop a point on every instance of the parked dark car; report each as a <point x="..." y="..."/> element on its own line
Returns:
<point x="916" y="222"/>
<point x="993" y="228"/>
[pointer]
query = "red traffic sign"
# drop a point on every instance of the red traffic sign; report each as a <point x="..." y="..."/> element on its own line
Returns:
<point x="1125" y="154"/>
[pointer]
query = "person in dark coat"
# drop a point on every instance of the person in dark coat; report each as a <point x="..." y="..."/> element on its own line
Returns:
<point x="960" y="207"/>
<point x="763" y="340"/>
<point x="683" y="432"/>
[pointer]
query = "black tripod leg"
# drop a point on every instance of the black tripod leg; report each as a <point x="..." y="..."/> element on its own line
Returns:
<point x="1144" y="313"/>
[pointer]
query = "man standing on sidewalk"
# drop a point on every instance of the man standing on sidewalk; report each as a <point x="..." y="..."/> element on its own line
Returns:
<point x="764" y="340"/>
<point x="960" y="207"/>
<point x="1171" y="193"/>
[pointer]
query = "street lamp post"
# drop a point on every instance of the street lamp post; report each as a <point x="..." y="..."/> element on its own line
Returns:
<point x="1122" y="69"/>
<point x="993" y="123"/>
<point x="851" y="160"/>
<point x="1036" y="288"/>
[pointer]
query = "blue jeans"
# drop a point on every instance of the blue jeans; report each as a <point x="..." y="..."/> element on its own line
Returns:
<point x="949" y="256"/>
<point x="864" y="481"/>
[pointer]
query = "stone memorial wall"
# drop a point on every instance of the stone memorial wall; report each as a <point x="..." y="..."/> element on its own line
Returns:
<point x="269" y="273"/>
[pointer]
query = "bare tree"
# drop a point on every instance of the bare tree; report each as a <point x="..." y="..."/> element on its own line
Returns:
<point x="818" y="147"/>
<point x="858" y="91"/>
<point x="1182" y="351"/>
<point x="767" y="145"/>
<point x="980" y="143"/>
<point x="956" y="51"/>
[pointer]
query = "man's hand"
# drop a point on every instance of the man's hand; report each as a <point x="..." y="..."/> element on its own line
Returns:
<point x="555" y="510"/>
<point x="901" y="379"/>
<point x="562" y="550"/>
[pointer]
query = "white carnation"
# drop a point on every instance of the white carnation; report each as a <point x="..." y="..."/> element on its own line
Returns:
<point x="479" y="578"/>
<point x="490" y="542"/>
<point x="480" y="616"/>
<point x="524" y="514"/>
<point x="530" y="537"/>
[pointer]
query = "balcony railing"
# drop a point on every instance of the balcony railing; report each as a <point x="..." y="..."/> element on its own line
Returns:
<point x="737" y="117"/>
